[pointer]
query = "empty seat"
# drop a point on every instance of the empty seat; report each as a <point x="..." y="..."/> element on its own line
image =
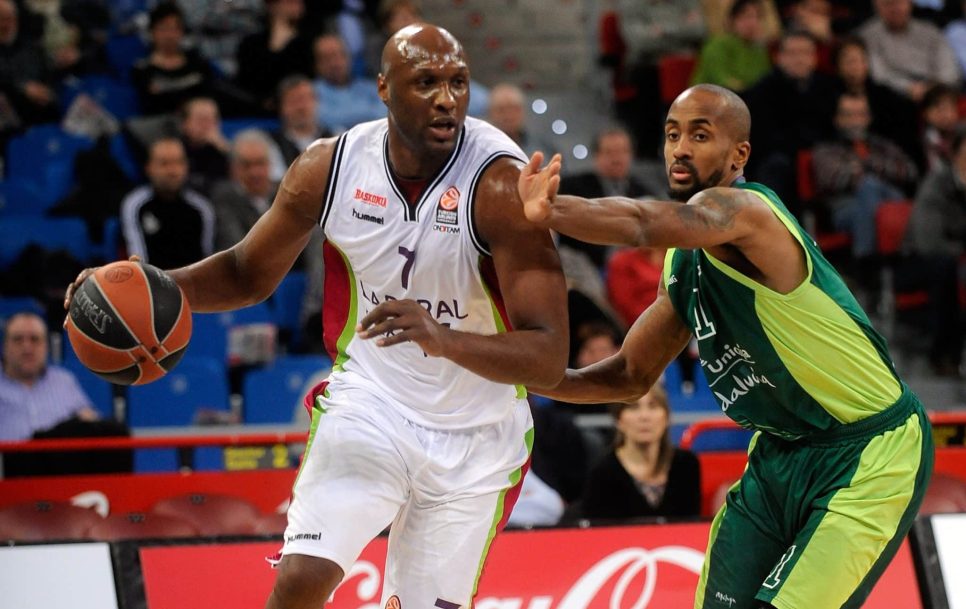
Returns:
<point x="140" y="525"/>
<point x="174" y="399"/>
<point x="287" y="301"/>
<point x="46" y="520"/>
<point x="674" y="74"/>
<point x="946" y="495"/>
<point x="123" y="52"/>
<point x="30" y="155"/>
<point x="117" y="97"/>
<point x="271" y="524"/>
<point x="16" y="233"/>
<point x="19" y="196"/>
<point x="272" y="394"/>
<point x="211" y="514"/>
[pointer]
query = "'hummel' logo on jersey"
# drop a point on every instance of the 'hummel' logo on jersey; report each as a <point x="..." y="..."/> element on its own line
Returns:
<point x="368" y="218"/>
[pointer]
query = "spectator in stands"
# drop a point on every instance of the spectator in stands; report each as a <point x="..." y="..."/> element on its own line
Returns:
<point x="282" y="48"/>
<point x="299" y="118"/>
<point x="647" y="30"/>
<point x="645" y="475"/>
<point x="934" y="242"/>
<point x="592" y="341"/>
<point x="908" y="54"/>
<point x="737" y="58"/>
<point x="613" y="154"/>
<point x="956" y="37"/>
<point x="716" y="18"/>
<point x="241" y="201"/>
<point x="34" y="395"/>
<point x="793" y="108"/>
<point x="633" y="275"/>
<point x="165" y="223"/>
<point x="940" y="117"/>
<point x="854" y="174"/>
<point x="26" y="89"/>
<point x="815" y="18"/>
<point x="345" y="101"/>
<point x="204" y="143"/>
<point x="891" y="111"/>
<point x="218" y="27"/>
<point x="507" y="112"/>
<point x="392" y="16"/>
<point x="170" y="75"/>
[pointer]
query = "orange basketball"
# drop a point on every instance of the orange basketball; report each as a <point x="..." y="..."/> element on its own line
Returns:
<point x="129" y="323"/>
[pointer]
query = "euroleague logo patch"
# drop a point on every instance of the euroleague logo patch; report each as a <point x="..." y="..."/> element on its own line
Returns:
<point x="118" y="274"/>
<point x="393" y="602"/>
<point x="449" y="202"/>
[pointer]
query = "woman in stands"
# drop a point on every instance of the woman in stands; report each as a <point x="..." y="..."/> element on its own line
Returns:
<point x="645" y="475"/>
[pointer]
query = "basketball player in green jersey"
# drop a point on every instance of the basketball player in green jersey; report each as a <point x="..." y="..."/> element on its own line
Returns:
<point x="843" y="452"/>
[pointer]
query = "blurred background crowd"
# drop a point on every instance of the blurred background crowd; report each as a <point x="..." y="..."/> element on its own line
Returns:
<point x="163" y="129"/>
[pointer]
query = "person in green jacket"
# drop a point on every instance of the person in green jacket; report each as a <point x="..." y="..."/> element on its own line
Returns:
<point x="737" y="58"/>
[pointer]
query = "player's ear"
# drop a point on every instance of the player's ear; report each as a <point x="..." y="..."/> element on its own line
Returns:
<point x="739" y="155"/>
<point x="382" y="86"/>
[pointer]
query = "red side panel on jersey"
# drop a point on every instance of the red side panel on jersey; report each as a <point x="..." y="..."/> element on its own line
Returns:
<point x="336" y="300"/>
<point x="488" y="273"/>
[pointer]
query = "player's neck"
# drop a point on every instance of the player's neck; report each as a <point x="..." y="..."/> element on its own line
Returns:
<point x="410" y="164"/>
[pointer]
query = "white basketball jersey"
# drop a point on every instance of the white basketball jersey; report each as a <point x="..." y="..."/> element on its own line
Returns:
<point x="378" y="247"/>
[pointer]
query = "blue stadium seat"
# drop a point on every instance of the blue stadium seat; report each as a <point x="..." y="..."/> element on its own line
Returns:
<point x="18" y="232"/>
<point x="174" y="399"/>
<point x="231" y="126"/>
<point x="117" y="97"/>
<point x="111" y="245"/>
<point x="122" y="153"/>
<point x="123" y="51"/>
<point x="272" y="394"/>
<point x="97" y="389"/>
<point x="19" y="196"/>
<point x="11" y="305"/>
<point x="722" y="439"/>
<point x="700" y="400"/>
<point x="209" y="338"/>
<point x="287" y="300"/>
<point x="29" y="155"/>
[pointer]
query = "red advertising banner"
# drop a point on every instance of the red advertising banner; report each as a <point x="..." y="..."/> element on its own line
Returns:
<point x="636" y="567"/>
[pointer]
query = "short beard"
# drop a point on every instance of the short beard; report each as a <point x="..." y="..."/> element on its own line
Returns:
<point x="684" y="194"/>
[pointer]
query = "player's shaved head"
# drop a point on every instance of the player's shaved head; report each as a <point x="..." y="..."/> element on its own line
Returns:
<point x="722" y="106"/>
<point x="421" y="43"/>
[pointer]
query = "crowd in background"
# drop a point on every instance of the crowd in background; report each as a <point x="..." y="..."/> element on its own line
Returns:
<point x="854" y="105"/>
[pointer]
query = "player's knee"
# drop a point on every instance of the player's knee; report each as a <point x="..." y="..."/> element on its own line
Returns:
<point x="304" y="582"/>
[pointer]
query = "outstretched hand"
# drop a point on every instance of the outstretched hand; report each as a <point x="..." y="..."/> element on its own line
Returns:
<point x="538" y="187"/>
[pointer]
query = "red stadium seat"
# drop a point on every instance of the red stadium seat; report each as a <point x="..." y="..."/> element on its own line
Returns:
<point x="828" y="241"/>
<point x="674" y="74"/>
<point x="271" y="524"/>
<point x="139" y="525"/>
<point x="211" y="514"/>
<point x="945" y="495"/>
<point x="46" y="520"/>
<point x="891" y="219"/>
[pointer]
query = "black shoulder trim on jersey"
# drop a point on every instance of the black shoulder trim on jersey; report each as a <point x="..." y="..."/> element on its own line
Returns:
<point x="330" y="186"/>
<point x="412" y="211"/>
<point x="475" y="236"/>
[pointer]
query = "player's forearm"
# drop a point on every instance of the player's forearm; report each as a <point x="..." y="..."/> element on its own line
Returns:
<point x="605" y="381"/>
<point x="520" y="357"/>
<point x="217" y="283"/>
<point x="605" y="221"/>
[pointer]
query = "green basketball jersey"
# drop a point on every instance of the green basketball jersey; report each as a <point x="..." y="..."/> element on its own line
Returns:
<point x="791" y="364"/>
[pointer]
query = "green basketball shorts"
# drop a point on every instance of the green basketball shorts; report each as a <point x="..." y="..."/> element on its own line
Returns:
<point x="814" y="523"/>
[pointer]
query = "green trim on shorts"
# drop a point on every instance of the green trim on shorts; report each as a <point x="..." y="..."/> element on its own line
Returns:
<point x="514" y="479"/>
<point x="848" y="523"/>
<point x="317" y="411"/>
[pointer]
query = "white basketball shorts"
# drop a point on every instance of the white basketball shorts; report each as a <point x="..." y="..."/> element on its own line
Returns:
<point x="445" y="494"/>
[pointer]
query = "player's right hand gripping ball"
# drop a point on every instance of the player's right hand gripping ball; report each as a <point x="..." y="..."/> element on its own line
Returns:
<point x="129" y="323"/>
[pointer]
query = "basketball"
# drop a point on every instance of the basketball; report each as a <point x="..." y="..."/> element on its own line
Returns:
<point x="129" y="323"/>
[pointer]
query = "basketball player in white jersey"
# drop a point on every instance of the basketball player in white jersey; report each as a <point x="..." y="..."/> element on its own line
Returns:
<point x="429" y="262"/>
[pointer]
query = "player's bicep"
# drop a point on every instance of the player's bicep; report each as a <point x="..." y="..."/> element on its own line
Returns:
<point x="712" y="217"/>
<point x="524" y="256"/>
